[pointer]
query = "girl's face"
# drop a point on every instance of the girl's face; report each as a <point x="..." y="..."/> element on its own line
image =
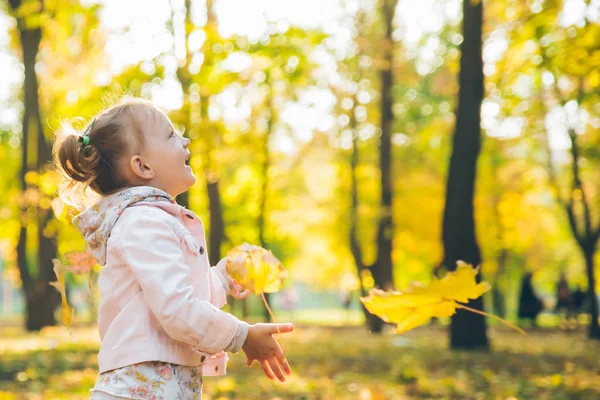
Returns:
<point x="163" y="161"/>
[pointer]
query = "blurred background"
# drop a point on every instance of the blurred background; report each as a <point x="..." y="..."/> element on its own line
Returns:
<point x="367" y="143"/>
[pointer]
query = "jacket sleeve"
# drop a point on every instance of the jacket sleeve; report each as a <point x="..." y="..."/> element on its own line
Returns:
<point x="151" y="248"/>
<point x="222" y="282"/>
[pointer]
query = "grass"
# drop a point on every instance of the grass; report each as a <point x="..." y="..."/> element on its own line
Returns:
<point x="337" y="363"/>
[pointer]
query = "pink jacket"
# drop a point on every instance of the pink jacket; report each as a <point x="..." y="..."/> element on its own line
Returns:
<point x="160" y="297"/>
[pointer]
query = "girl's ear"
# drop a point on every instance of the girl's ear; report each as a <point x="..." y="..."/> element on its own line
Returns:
<point x="140" y="168"/>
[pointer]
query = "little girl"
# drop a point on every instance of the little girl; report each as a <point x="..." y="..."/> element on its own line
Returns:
<point x="160" y="321"/>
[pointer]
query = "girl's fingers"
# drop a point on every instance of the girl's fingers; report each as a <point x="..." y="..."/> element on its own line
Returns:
<point x="267" y="369"/>
<point x="276" y="369"/>
<point x="242" y="295"/>
<point x="280" y="328"/>
<point x="238" y="291"/>
<point x="285" y="366"/>
<point x="280" y="356"/>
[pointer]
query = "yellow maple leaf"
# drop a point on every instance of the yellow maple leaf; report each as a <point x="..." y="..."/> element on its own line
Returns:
<point x="66" y="312"/>
<point x="418" y="304"/>
<point x="255" y="269"/>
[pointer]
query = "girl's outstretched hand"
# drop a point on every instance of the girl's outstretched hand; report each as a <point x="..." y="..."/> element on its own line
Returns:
<point x="261" y="346"/>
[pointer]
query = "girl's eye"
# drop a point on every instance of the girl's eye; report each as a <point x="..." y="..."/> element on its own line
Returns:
<point x="172" y="134"/>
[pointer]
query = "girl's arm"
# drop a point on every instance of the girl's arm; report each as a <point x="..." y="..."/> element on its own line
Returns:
<point x="222" y="282"/>
<point x="151" y="248"/>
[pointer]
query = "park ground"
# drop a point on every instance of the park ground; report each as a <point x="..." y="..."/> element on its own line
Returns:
<point x="336" y="363"/>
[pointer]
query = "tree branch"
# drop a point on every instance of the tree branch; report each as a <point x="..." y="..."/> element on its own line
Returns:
<point x="26" y="277"/>
<point x="574" y="224"/>
<point x="576" y="183"/>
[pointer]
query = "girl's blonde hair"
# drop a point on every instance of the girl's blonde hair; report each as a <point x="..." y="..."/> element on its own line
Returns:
<point x="92" y="163"/>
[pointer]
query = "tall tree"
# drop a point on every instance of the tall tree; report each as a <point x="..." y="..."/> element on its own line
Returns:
<point x="379" y="29"/>
<point x="36" y="155"/>
<point x="502" y="252"/>
<point x="355" y="246"/>
<point x="467" y="330"/>
<point x="184" y="117"/>
<point x="193" y="116"/>
<point x="285" y="62"/>
<point x="212" y="139"/>
<point x="565" y="69"/>
<point x="578" y="202"/>
<point x="382" y="269"/>
<point x="355" y="72"/>
<point x="265" y="166"/>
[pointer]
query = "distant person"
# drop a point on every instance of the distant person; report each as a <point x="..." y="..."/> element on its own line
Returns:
<point x="529" y="304"/>
<point x="346" y="299"/>
<point x="346" y="303"/>
<point x="160" y="320"/>
<point x="564" y="300"/>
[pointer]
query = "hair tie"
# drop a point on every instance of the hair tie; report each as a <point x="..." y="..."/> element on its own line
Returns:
<point x="85" y="138"/>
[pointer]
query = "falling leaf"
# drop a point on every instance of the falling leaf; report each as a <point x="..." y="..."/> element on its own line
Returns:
<point x="255" y="269"/>
<point x="418" y="304"/>
<point x="77" y="262"/>
<point x="80" y="262"/>
<point x="66" y="313"/>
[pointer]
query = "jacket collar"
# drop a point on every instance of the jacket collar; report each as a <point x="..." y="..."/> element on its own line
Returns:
<point x="96" y="223"/>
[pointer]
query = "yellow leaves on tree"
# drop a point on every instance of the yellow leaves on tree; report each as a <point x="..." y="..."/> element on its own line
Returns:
<point x="255" y="268"/>
<point x="418" y="304"/>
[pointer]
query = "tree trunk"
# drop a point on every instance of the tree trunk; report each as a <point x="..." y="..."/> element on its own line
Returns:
<point x="217" y="226"/>
<point x="40" y="306"/>
<point x="47" y="252"/>
<point x="265" y="166"/>
<point x="184" y="199"/>
<point x="382" y="269"/>
<point x="355" y="247"/>
<point x="468" y="330"/>
<point x="41" y="298"/>
<point x="498" y="296"/>
<point x="594" y="332"/>
<point x="217" y="230"/>
<point x="184" y="78"/>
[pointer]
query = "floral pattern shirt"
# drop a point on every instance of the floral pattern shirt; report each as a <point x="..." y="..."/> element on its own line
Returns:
<point x="152" y="380"/>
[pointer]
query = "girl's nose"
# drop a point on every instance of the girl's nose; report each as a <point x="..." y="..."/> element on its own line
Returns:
<point x="186" y="142"/>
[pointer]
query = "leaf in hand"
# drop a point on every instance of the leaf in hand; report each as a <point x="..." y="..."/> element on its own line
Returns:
<point x="255" y="269"/>
<point x="418" y="304"/>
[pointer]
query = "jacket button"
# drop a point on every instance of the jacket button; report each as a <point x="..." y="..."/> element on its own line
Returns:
<point x="201" y="250"/>
<point x="202" y="358"/>
<point x="189" y="216"/>
<point x="216" y="369"/>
